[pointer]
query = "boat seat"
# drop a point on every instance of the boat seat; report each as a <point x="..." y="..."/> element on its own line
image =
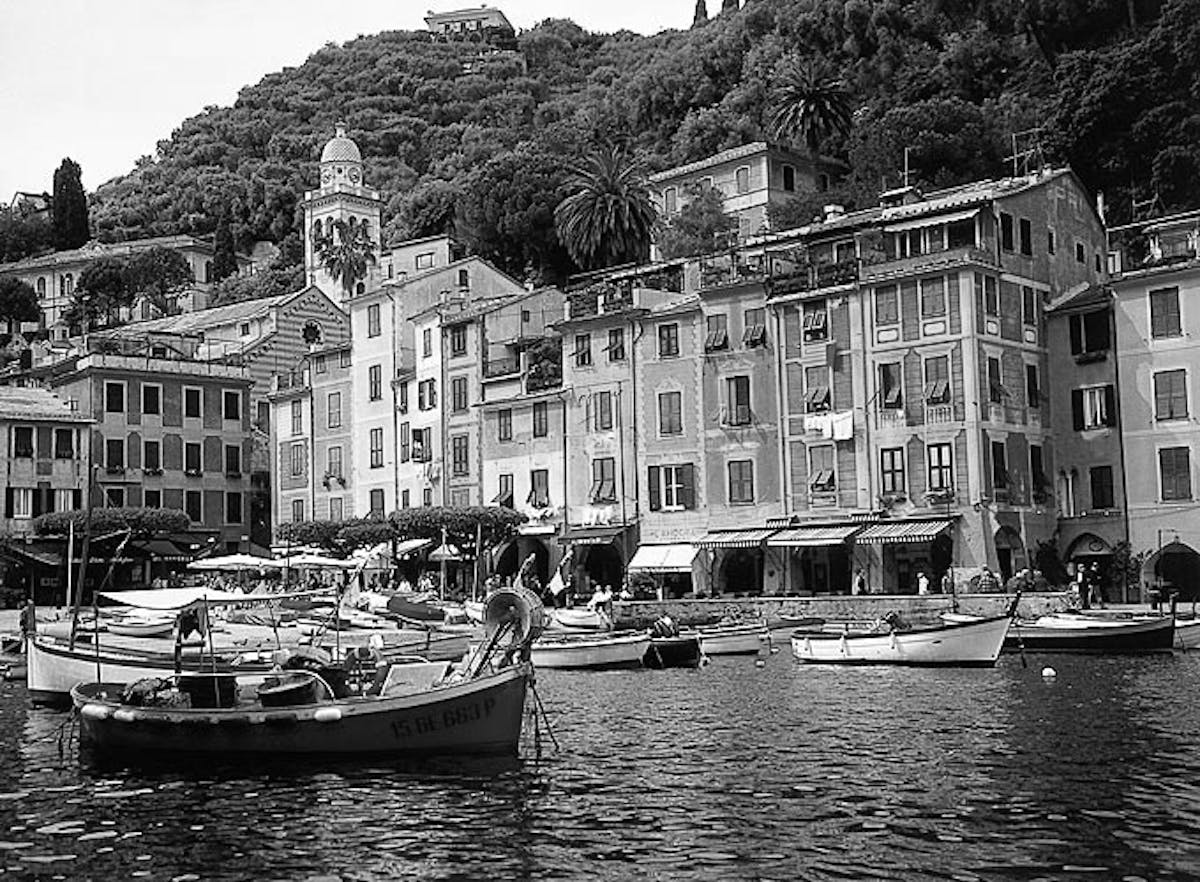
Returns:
<point x="405" y="678"/>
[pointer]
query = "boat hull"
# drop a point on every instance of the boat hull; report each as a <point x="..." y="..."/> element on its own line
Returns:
<point x="733" y="639"/>
<point x="594" y="653"/>
<point x="53" y="668"/>
<point x="1135" y="636"/>
<point x="481" y="716"/>
<point x="968" y="644"/>
<point x="673" y="652"/>
<point x="1187" y="633"/>
<point x="573" y="619"/>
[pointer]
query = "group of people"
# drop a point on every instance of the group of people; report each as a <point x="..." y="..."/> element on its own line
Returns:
<point x="921" y="581"/>
<point x="1089" y="585"/>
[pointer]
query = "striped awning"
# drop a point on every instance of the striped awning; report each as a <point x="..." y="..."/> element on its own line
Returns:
<point x="813" y="537"/>
<point x="902" y="531"/>
<point x="735" y="538"/>
<point x="675" y="558"/>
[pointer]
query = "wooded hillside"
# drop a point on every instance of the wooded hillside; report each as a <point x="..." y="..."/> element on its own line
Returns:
<point x="1111" y="83"/>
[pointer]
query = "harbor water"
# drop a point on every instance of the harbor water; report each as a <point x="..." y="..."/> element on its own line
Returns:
<point x="734" y="771"/>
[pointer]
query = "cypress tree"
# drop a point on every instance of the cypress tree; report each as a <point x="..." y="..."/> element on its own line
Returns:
<point x="701" y="15"/>
<point x="224" y="262"/>
<point x="70" y="220"/>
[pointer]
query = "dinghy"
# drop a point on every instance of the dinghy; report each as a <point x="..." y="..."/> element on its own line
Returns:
<point x="960" y="644"/>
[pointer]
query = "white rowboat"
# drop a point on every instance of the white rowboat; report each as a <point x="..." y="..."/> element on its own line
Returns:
<point x="962" y="644"/>
<point x="737" y="639"/>
<point x="591" y="652"/>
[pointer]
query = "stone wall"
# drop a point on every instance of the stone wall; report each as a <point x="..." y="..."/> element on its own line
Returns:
<point x="915" y="609"/>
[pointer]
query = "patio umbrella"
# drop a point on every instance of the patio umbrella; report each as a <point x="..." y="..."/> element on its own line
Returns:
<point x="314" y="562"/>
<point x="234" y="563"/>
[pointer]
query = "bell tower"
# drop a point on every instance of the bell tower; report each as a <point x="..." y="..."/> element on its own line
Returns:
<point x="341" y="196"/>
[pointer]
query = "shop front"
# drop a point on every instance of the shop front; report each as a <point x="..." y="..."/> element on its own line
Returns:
<point x="667" y="569"/>
<point x="893" y="554"/>
<point x="598" y="555"/>
<point x="817" y="559"/>
<point x="739" y="564"/>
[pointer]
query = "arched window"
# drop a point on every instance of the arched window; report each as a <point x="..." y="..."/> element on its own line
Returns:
<point x="366" y="228"/>
<point x="316" y="230"/>
<point x="68" y="284"/>
<point x="208" y="277"/>
<point x="41" y="287"/>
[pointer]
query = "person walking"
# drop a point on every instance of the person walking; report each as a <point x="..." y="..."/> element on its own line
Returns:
<point x="922" y="583"/>
<point x="988" y="583"/>
<point x="28" y="622"/>
<point x="859" y="586"/>
<point x="1095" y="588"/>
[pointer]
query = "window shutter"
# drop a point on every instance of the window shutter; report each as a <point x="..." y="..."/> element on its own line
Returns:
<point x="688" y="473"/>
<point x="8" y="502"/>
<point x="1077" y="408"/>
<point x="77" y="498"/>
<point x="655" y="501"/>
<point x="1110" y="406"/>
<point x="1076" y="325"/>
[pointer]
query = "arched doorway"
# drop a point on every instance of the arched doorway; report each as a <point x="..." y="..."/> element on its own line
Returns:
<point x="1174" y="568"/>
<point x="741" y="571"/>
<point x="600" y="563"/>
<point x="1010" y="552"/>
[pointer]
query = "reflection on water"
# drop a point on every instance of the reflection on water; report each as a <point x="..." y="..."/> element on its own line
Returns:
<point x="730" y="771"/>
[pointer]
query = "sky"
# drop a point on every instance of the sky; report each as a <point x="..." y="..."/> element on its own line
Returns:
<point x="102" y="81"/>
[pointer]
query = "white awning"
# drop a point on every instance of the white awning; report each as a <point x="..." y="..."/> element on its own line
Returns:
<point x="813" y="537"/>
<point x="930" y="220"/>
<point x="663" y="558"/>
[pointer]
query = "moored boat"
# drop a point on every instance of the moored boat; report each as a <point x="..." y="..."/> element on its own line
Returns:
<point x="959" y="644"/>
<point x="590" y="651"/>
<point x="478" y="709"/>
<point x="129" y="626"/>
<point x="677" y="651"/>
<point x="739" y="638"/>
<point x="579" y="619"/>
<point x="1187" y="633"/>
<point x="1093" y="634"/>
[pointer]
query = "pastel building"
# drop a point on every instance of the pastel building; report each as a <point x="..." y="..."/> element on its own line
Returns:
<point x="749" y="178"/>
<point x="1156" y="323"/>
<point x="312" y="439"/>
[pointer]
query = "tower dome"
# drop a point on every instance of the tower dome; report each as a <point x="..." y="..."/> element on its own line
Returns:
<point x="340" y="148"/>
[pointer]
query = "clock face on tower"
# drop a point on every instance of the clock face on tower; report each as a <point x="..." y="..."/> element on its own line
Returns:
<point x="326" y="176"/>
<point x="354" y="175"/>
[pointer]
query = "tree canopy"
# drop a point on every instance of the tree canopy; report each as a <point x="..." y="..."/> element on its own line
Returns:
<point x="495" y="525"/>
<point x="609" y="216"/>
<point x="70" y="208"/>
<point x="482" y="147"/>
<point x="18" y="302"/>
<point x="143" y="522"/>
<point x="110" y="284"/>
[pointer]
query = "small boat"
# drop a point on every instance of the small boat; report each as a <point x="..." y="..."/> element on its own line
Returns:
<point x="960" y="644"/>
<point x="415" y="612"/>
<point x="1079" y="632"/>
<point x="734" y="638"/>
<point x="474" y="611"/>
<point x="588" y="651"/>
<point x="678" y="651"/>
<point x="579" y="619"/>
<point x="478" y="709"/>
<point x="132" y="626"/>
<point x="1187" y="633"/>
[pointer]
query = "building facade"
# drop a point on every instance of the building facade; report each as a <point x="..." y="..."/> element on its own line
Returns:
<point x="169" y="431"/>
<point x="749" y="178"/>
<point x="1156" y="323"/>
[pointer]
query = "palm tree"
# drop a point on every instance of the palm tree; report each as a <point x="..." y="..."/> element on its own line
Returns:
<point x="609" y="216"/>
<point x="346" y="251"/>
<point x="811" y="103"/>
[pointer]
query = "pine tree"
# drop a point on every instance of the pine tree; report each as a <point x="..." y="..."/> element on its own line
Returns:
<point x="70" y="207"/>
<point x="701" y="15"/>
<point x="224" y="262"/>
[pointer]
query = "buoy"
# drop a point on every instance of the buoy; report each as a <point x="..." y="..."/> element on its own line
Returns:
<point x="1048" y="673"/>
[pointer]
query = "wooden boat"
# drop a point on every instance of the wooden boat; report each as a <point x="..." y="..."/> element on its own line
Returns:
<point x="478" y="709"/>
<point x="579" y="619"/>
<point x="735" y="638"/>
<point x="137" y="627"/>
<point x="415" y="611"/>
<point x="1093" y="634"/>
<point x="679" y="651"/>
<point x="961" y="644"/>
<point x="588" y="651"/>
<point x="1187" y="633"/>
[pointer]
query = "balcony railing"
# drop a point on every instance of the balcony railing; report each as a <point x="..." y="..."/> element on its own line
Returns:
<point x="788" y="277"/>
<point x="939" y="413"/>
<point x="891" y="417"/>
<point x="502" y="367"/>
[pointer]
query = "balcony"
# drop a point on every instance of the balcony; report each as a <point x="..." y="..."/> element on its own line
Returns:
<point x="891" y="417"/>
<point x="878" y="264"/>
<point x="789" y="277"/>
<point x="734" y="268"/>
<point x="502" y="367"/>
<point x="938" y="414"/>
